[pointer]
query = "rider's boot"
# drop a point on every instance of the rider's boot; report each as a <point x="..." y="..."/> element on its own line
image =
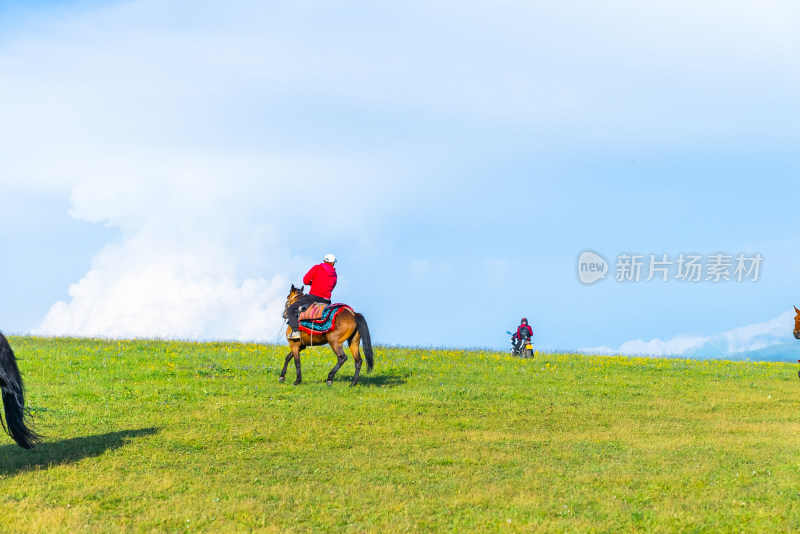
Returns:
<point x="295" y="326"/>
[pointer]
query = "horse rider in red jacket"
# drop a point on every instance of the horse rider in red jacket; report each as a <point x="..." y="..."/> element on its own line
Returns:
<point x="322" y="279"/>
<point x="524" y="331"/>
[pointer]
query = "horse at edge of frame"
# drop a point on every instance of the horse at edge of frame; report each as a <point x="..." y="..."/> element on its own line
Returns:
<point x="13" y="393"/>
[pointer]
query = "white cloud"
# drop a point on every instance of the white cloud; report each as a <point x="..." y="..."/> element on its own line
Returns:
<point x="179" y="282"/>
<point x="198" y="254"/>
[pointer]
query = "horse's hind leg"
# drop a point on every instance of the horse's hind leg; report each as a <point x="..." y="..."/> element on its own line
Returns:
<point x="353" y="343"/>
<point x="341" y="357"/>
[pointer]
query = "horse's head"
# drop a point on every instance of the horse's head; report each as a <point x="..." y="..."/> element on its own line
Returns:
<point x="294" y="294"/>
<point x="796" y="331"/>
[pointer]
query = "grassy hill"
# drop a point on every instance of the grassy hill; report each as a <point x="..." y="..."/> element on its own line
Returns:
<point x="174" y="436"/>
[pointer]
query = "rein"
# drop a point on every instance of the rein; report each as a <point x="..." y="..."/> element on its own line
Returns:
<point x="280" y="328"/>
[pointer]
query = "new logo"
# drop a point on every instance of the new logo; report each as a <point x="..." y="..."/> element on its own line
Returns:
<point x="592" y="267"/>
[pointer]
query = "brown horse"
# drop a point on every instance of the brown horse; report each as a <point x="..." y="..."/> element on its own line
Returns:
<point x="796" y="330"/>
<point x="350" y="327"/>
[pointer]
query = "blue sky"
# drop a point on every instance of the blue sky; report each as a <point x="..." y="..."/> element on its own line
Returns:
<point x="169" y="168"/>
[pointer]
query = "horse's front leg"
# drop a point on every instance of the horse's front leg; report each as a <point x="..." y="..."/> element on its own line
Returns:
<point x="341" y="357"/>
<point x="285" y="365"/>
<point x="296" y="353"/>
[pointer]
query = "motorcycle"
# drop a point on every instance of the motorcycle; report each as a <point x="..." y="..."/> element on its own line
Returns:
<point x="525" y="349"/>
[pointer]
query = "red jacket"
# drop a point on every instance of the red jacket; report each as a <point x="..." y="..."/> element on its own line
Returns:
<point x="518" y="335"/>
<point x="322" y="279"/>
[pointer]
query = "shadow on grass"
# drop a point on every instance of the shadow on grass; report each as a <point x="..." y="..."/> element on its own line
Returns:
<point x="375" y="380"/>
<point x="51" y="453"/>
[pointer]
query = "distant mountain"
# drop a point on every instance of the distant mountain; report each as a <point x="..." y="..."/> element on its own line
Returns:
<point x="768" y="341"/>
<point x="782" y="352"/>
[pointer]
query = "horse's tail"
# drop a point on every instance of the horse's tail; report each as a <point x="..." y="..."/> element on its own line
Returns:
<point x="363" y="330"/>
<point x="13" y="399"/>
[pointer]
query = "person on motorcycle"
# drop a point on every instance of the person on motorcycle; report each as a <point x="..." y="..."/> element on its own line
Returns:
<point x="524" y="331"/>
<point x="322" y="279"/>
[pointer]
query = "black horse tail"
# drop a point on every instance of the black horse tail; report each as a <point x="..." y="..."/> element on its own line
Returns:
<point x="363" y="329"/>
<point x="13" y="399"/>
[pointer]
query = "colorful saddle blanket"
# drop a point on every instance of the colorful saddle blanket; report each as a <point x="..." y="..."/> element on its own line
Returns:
<point x="324" y="320"/>
<point x="312" y="312"/>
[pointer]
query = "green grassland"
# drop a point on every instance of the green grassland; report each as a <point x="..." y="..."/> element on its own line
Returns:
<point x="155" y="436"/>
